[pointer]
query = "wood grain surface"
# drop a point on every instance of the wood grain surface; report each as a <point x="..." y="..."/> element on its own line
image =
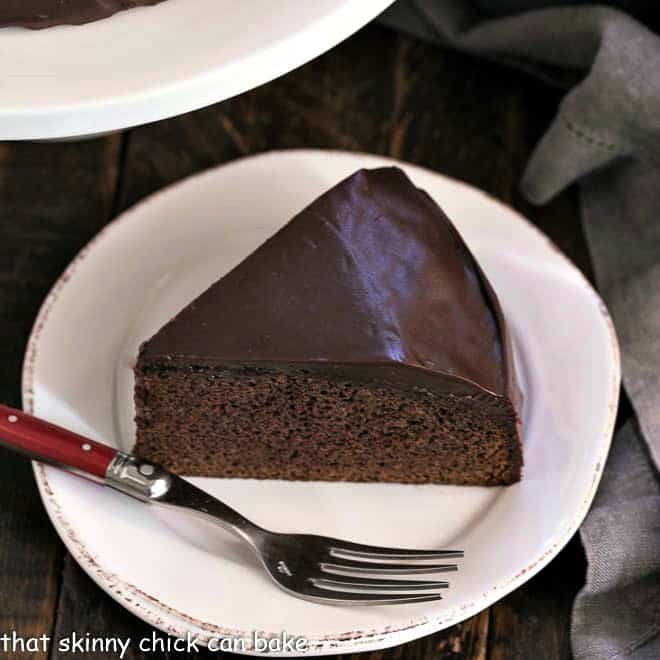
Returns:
<point x="377" y="92"/>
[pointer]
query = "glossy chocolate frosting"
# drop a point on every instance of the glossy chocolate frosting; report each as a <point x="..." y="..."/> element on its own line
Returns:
<point x="47" y="13"/>
<point x="371" y="280"/>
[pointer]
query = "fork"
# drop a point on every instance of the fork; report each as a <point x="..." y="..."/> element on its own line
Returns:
<point x="316" y="568"/>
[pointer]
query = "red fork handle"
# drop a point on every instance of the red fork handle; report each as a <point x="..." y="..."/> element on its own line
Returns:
<point x="46" y="442"/>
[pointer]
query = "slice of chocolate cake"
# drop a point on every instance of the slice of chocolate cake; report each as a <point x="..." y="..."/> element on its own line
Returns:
<point x="361" y="342"/>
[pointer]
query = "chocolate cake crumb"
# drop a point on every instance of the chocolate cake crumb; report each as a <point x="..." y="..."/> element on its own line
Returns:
<point x="261" y="424"/>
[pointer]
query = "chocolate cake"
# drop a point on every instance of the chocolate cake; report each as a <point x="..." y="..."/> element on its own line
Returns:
<point x="38" y="14"/>
<point x="361" y="342"/>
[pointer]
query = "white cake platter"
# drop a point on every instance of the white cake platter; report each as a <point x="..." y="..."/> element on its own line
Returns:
<point x="150" y="63"/>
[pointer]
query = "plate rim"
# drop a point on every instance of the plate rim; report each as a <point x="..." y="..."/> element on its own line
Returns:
<point x="98" y="114"/>
<point x="173" y="622"/>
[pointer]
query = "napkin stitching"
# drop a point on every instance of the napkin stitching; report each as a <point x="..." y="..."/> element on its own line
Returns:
<point x="588" y="137"/>
<point x="654" y="631"/>
<point x="579" y="132"/>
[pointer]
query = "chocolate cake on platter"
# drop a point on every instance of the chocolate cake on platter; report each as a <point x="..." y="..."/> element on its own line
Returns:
<point x="39" y="14"/>
<point x="361" y="342"/>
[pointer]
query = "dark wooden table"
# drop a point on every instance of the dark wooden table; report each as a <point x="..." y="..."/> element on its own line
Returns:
<point x="378" y="92"/>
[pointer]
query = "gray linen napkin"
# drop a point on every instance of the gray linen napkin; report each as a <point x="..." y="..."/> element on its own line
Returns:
<point x="606" y="137"/>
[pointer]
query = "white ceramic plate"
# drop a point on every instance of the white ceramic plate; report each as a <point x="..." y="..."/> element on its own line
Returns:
<point x="155" y="62"/>
<point x="158" y="256"/>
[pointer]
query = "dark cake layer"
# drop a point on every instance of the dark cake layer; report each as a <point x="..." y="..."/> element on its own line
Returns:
<point x="263" y="424"/>
<point x="37" y="14"/>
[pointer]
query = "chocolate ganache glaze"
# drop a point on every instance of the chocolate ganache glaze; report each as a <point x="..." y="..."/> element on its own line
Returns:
<point x="371" y="281"/>
<point x="39" y="14"/>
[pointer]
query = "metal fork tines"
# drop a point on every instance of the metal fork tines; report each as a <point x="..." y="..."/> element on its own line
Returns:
<point x="345" y="573"/>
